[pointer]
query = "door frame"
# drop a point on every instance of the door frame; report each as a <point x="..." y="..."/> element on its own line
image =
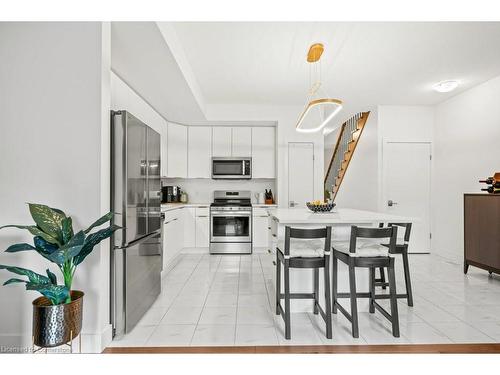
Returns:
<point x="382" y="187"/>
<point x="288" y="169"/>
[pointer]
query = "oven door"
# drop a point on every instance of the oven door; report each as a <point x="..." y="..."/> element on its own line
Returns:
<point x="233" y="226"/>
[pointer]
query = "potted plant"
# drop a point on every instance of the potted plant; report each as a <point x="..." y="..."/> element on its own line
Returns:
<point x="57" y="315"/>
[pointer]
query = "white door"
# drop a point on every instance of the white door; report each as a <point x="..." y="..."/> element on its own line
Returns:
<point x="406" y="188"/>
<point x="241" y="141"/>
<point x="263" y="152"/>
<point x="300" y="173"/>
<point x="199" y="151"/>
<point x="221" y="141"/>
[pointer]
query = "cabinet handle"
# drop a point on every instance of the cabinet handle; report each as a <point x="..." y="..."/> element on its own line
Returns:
<point x="274" y="263"/>
<point x="202" y="216"/>
<point x="269" y="228"/>
<point x="269" y="251"/>
<point x="274" y="235"/>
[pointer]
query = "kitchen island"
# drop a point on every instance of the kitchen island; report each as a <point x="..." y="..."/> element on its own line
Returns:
<point x="341" y="220"/>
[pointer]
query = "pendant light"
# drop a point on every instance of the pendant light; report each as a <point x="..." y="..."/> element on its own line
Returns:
<point x="320" y="109"/>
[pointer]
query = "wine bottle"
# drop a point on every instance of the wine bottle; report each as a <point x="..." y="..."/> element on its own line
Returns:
<point x="491" y="190"/>
<point x="488" y="181"/>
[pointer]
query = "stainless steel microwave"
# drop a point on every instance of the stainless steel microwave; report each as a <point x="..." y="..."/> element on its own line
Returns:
<point x="231" y="168"/>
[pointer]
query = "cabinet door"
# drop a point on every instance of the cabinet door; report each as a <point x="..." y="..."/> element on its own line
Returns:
<point x="260" y="231"/>
<point x="242" y="141"/>
<point x="179" y="233"/>
<point x="202" y="231"/>
<point x="189" y="227"/>
<point x="263" y="152"/>
<point x="221" y="141"/>
<point x="163" y="150"/>
<point x="168" y="243"/>
<point x="177" y="151"/>
<point x="199" y="151"/>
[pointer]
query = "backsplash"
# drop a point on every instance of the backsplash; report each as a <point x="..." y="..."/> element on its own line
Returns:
<point x="200" y="190"/>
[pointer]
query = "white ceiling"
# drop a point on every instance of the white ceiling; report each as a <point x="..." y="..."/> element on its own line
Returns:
<point x="364" y="64"/>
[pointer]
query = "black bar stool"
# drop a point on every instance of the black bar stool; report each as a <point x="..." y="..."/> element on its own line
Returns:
<point x="302" y="249"/>
<point x="364" y="250"/>
<point x="401" y="248"/>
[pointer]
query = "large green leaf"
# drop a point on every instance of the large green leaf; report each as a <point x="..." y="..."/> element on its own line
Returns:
<point x="47" y="219"/>
<point x="57" y="294"/>
<point x="19" y="247"/>
<point x="67" y="229"/>
<point x="68" y="251"/>
<point x="52" y="277"/>
<point x="43" y="247"/>
<point x="102" y="220"/>
<point x="33" y="277"/>
<point x="34" y="230"/>
<point x="14" y="280"/>
<point x="92" y="240"/>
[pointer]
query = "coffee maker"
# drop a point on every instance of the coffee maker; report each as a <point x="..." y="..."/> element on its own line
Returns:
<point x="170" y="194"/>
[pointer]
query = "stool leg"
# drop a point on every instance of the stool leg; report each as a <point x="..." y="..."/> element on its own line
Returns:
<point x="316" y="290"/>
<point x="278" y="283"/>
<point x="406" y="266"/>
<point x="334" y="283"/>
<point x="382" y="276"/>
<point x="394" y="301"/>
<point x="328" y="301"/>
<point x="354" y="304"/>
<point x="287" y="300"/>
<point x="372" y="290"/>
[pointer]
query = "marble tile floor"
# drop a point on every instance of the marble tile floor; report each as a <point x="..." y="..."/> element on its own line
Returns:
<point x="209" y="300"/>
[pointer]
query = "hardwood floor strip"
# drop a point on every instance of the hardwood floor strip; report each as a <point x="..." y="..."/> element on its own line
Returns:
<point x="313" y="349"/>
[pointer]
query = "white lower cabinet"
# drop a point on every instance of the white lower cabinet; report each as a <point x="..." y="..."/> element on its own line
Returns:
<point x="189" y="227"/>
<point x="173" y="235"/>
<point x="202" y="227"/>
<point x="259" y="231"/>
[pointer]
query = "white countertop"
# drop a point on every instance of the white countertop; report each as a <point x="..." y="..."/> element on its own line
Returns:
<point x="175" y="206"/>
<point x="338" y="216"/>
<point x="263" y="205"/>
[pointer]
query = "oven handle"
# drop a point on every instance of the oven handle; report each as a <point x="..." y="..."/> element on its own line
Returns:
<point x="232" y="213"/>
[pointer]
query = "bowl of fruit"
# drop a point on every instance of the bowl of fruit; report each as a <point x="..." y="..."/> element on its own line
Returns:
<point x="319" y="206"/>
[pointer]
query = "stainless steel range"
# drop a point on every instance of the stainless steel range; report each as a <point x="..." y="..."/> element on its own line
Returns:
<point x="231" y="223"/>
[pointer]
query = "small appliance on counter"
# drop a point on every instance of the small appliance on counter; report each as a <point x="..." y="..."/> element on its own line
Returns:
<point x="184" y="197"/>
<point x="170" y="194"/>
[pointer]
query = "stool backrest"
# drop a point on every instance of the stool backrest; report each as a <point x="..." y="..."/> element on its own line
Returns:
<point x="407" y="233"/>
<point x="390" y="233"/>
<point x="308" y="234"/>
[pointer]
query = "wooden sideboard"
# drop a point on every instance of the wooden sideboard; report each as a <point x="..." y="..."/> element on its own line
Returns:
<point x="482" y="231"/>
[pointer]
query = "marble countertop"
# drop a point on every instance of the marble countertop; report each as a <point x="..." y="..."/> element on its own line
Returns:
<point x="338" y="216"/>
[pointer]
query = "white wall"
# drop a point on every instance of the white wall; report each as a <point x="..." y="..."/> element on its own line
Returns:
<point x="54" y="140"/>
<point x="286" y="117"/>
<point x="466" y="149"/>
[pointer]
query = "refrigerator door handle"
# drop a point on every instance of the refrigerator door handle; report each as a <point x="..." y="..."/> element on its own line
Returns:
<point x="140" y="240"/>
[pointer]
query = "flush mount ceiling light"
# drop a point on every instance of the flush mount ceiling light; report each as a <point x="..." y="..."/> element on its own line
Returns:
<point x="320" y="109"/>
<point x="445" y="86"/>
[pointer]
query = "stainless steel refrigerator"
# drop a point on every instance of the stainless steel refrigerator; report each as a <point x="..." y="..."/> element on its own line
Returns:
<point x="136" y="254"/>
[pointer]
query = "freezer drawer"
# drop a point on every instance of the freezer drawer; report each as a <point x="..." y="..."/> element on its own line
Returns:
<point x="137" y="280"/>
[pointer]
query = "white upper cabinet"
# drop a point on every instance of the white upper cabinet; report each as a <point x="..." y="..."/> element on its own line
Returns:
<point x="177" y="151"/>
<point x="221" y="141"/>
<point x="242" y="141"/>
<point x="199" y="151"/>
<point x="163" y="150"/>
<point x="263" y="152"/>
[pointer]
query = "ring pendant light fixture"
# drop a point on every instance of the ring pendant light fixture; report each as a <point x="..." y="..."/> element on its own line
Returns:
<point x="320" y="109"/>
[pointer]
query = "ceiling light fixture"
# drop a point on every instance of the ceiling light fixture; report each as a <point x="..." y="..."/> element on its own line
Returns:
<point x="320" y="109"/>
<point x="445" y="86"/>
